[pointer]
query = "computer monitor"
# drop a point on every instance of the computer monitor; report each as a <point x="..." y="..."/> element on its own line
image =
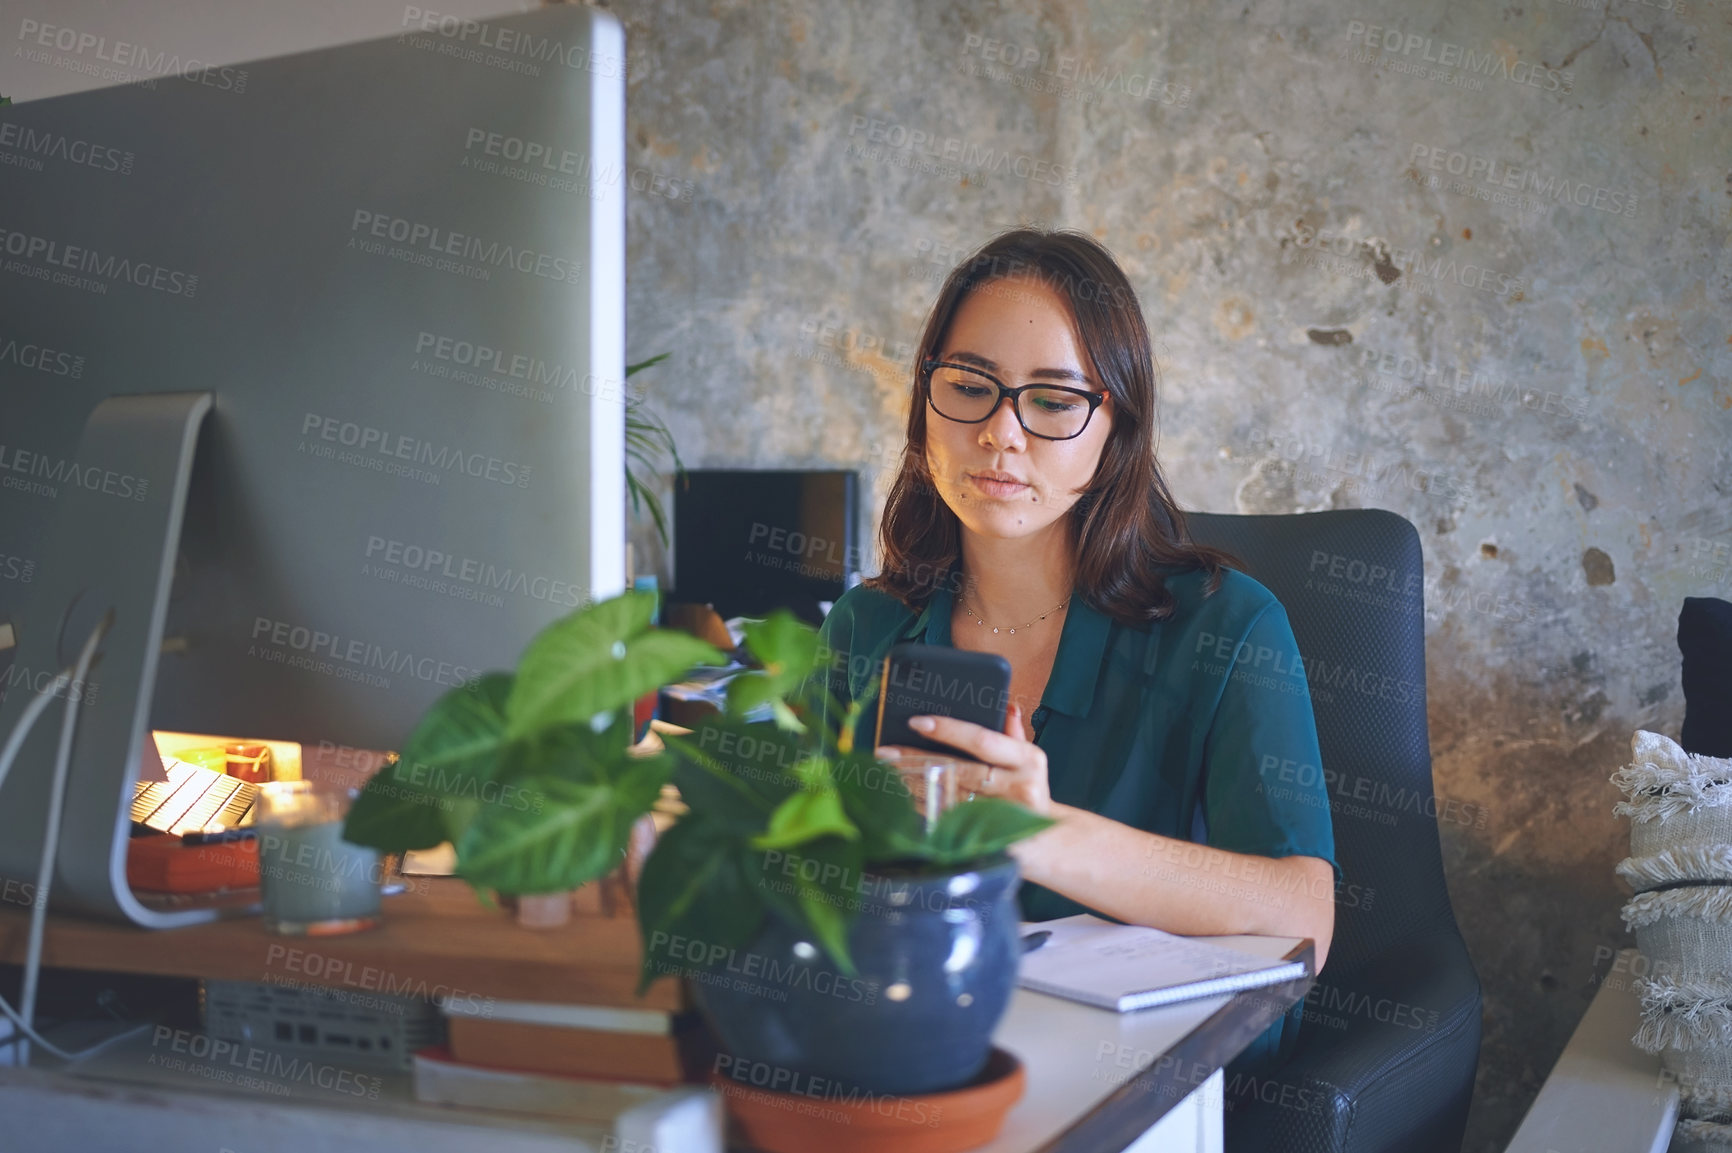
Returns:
<point x="318" y="384"/>
<point x="749" y="541"/>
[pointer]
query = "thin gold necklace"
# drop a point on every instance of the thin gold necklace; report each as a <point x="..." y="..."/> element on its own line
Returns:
<point x="1024" y="625"/>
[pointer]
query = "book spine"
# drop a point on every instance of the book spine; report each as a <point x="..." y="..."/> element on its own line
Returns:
<point x="568" y="1052"/>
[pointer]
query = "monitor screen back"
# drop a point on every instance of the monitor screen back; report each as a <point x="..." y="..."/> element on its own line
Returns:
<point x="399" y="268"/>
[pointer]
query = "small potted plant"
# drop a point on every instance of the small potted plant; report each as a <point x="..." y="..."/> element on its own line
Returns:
<point x="647" y="441"/>
<point x="825" y="929"/>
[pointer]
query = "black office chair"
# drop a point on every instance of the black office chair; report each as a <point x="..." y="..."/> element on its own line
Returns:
<point x="1393" y="1078"/>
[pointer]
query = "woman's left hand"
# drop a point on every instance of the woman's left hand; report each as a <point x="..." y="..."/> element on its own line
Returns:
<point x="1005" y="764"/>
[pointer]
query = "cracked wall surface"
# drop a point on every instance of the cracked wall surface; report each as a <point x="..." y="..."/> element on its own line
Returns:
<point x="1465" y="262"/>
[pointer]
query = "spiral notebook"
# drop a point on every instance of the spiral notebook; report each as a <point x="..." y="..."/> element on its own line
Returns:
<point x="1126" y="967"/>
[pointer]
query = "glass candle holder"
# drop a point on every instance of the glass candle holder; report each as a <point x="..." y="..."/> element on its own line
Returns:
<point x="931" y="777"/>
<point x="311" y="881"/>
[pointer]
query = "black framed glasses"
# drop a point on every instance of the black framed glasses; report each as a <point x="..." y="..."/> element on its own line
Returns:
<point x="969" y="395"/>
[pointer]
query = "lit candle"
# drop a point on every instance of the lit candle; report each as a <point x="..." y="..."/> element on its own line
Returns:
<point x="311" y="880"/>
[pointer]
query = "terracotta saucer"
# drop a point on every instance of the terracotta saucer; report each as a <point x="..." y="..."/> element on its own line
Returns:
<point x="819" y="1115"/>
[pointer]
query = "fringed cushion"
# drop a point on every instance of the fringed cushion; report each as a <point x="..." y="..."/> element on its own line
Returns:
<point x="1675" y="800"/>
<point x="1684" y="863"/>
<point x="1680" y="864"/>
<point x="1688" y="1014"/>
<point x="1707" y="903"/>
<point x="1685" y="934"/>
<point x="1704" y="1080"/>
<point x="1712" y="1134"/>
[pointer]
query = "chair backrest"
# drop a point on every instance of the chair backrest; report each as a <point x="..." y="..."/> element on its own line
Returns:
<point x="1352" y="581"/>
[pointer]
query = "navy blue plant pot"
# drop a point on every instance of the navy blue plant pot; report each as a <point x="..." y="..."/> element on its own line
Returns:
<point x="936" y="959"/>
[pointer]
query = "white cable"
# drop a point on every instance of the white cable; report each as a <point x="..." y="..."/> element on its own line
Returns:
<point x="49" y="1047"/>
<point x="27" y="721"/>
<point x="51" y="839"/>
<point x="51" y="831"/>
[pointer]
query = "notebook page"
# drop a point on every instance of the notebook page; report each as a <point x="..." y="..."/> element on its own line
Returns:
<point x="1100" y="962"/>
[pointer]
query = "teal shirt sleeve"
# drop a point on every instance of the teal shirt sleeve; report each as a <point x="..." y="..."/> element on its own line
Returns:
<point x="1264" y="791"/>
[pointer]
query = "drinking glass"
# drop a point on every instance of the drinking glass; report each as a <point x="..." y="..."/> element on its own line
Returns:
<point x="931" y="777"/>
<point x="311" y="880"/>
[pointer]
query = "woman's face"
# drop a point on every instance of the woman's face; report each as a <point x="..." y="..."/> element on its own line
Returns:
<point x="1021" y="332"/>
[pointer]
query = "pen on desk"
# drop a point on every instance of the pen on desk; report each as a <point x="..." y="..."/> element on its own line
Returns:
<point x="1035" y="940"/>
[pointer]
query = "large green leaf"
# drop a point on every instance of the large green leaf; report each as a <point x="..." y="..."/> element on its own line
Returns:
<point x="555" y="834"/>
<point x="813" y="772"/>
<point x="829" y="923"/>
<point x="788" y="649"/>
<point x="695" y="894"/>
<point x="881" y="807"/>
<point x="577" y="752"/>
<point x="981" y="828"/>
<point x="759" y="757"/>
<point x="596" y="660"/>
<point x="806" y="816"/>
<point x="437" y="783"/>
<point x="752" y="688"/>
<point x="786" y="717"/>
<point x="394" y="818"/>
<point x="707" y="787"/>
<point x="819" y="887"/>
<point x="460" y="737"/>
<point x="786" y="646"/>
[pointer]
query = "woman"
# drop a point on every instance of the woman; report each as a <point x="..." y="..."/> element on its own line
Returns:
<point x="1029" y="519"/>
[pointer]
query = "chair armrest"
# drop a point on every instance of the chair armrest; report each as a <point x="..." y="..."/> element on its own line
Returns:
<point x="1365" y="1024"/>
<point x="1385" y="1059"/>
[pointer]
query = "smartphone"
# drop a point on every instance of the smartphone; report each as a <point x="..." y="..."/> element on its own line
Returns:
<point x="920" y="680"/>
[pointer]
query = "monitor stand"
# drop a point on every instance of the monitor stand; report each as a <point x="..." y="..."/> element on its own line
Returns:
<point x="113" y="546"/>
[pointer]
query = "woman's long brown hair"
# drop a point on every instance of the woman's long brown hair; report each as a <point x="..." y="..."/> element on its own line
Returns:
<point x="1126" y="530"/>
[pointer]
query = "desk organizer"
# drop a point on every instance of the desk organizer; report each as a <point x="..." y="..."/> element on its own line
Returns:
<point x="1680" y="864"/>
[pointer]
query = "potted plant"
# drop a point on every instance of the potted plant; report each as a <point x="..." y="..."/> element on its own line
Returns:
<point x="647" y="440"/>
<point x="825" y="929"/>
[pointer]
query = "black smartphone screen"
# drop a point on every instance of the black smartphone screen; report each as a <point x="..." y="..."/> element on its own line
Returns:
<point x="937" y="680"/>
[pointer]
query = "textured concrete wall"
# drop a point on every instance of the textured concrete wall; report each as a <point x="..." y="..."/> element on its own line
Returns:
<point x="1314" y="200"/>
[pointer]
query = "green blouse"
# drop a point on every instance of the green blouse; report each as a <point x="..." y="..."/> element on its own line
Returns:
<point x="1197" y="727"/>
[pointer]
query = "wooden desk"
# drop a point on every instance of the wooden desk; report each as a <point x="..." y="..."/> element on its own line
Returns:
<point x="1148" y="1081"/>
<point x="1097" y="1080"/>
<point x="436" y="934"/>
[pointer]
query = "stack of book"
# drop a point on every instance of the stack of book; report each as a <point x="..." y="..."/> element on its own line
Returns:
<point x="584" y="1063"/>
